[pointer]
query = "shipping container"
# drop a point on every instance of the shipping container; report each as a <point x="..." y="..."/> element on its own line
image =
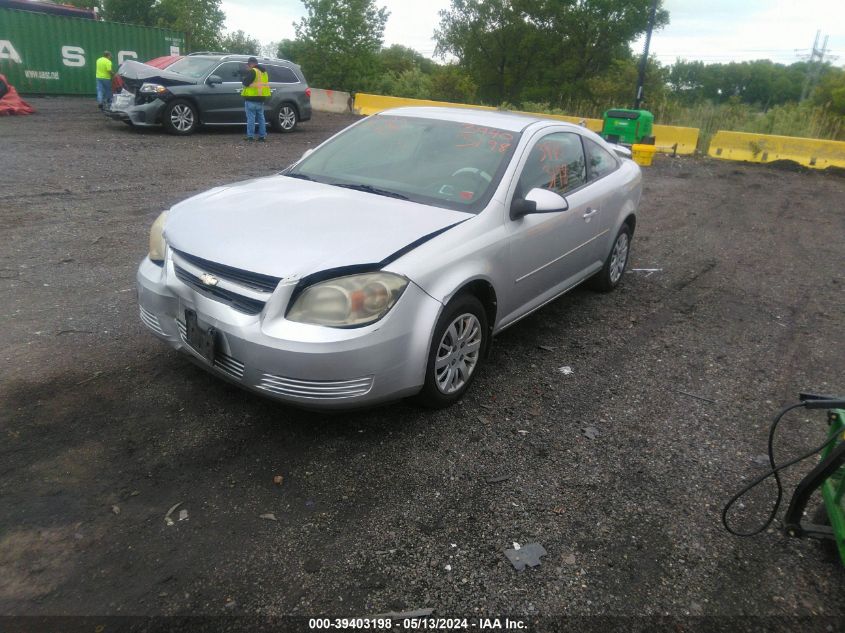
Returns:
<point x="49" y="54"/>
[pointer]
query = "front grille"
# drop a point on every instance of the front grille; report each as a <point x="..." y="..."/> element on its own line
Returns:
<point x="223" y="362"/>
<point x="256" y="281"/>
<point x="151" y="321"/>
<point x="316" y="389"/>
<point x="236" y="301"/>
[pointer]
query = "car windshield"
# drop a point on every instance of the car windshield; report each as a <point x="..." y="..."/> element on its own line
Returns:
<point x="442" y="163"/>
<point x="194" y="67"/>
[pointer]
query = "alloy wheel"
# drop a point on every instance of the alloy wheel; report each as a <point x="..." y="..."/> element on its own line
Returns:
<point x="458" y="353"/>
<point x="619" y="257"/>
<point x="287" y="118"/>
<point x="182" y="117"/>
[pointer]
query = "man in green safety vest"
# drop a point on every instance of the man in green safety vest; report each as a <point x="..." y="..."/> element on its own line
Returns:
<point x="255" y="92"/>
<point x="104" y="73"/>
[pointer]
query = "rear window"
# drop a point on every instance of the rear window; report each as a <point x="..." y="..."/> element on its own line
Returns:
<point x="282" y="75"/>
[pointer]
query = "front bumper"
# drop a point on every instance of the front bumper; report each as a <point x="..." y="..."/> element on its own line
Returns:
<point x="307" y="365"/>
<point x="144" y="115"/>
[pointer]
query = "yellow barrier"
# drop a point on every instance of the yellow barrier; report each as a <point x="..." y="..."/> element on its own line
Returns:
<point x="764" y="148"/>
<point x="371" y="104"/>
<point x="672" y="139"/>
<point x="668" y="138"/>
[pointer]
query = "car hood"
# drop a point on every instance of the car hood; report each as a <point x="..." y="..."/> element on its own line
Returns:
<point x="135" y="73"/>
<point x="284" y="227"/>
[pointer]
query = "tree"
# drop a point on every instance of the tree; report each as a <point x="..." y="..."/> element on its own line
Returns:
<point x="338" y="42"/>
<point x="200" y="20"/>
<point x="85" y="4"/>
<point x="398" y="59"/>
<point x="451" y="83"/>
<point x="130" y="11"/>
<point x="830" y="92"/>
<point x="294" y="50"/>
<point x="240" y="43"/>
<point x="545" y="49"/>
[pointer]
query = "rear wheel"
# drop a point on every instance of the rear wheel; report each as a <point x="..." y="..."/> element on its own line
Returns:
<point x="180" y="118"/>
<point x="457" y="349"/>
<point x="614" y="266"/>
<point x="285" y="118"/>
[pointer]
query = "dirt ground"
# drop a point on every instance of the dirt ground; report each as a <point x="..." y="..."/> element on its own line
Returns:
<point x="103" y="428"/>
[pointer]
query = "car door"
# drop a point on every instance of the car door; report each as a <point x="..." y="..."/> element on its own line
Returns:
<point x="550" y="252"/>
<point x="607" y="191"/>
<point x="223" y="103"/>
<point x="283" y="82"/>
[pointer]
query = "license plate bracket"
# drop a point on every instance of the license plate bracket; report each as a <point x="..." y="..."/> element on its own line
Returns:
<point x="202" y="340"/>
<point x="121" y="101"/>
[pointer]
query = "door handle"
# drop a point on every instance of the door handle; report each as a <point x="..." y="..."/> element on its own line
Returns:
<point x="589" y="213"/>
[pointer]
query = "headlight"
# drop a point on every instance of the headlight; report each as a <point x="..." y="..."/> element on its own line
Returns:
<point x="152" y="89"/>
<point x="157" y="243"/>
<point x="348" y="301"/>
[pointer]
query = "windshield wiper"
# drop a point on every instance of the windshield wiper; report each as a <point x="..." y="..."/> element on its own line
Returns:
<point x="300" y="176"/>
<point x="370" y="189"/>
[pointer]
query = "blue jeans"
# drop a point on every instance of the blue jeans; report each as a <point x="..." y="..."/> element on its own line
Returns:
<point x="104" y="91"/>
<point x="255" y="109"/>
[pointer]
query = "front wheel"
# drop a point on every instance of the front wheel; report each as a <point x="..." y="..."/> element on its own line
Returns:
<point x="457" y="348"/>
<point x="285" y="118"/>
<point x="180" y="118"/>
<point x="614" y="266"/>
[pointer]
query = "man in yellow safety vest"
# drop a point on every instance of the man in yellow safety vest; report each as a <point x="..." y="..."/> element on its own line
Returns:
<point x="104" y="74"/>
<point x="255" y="92"/>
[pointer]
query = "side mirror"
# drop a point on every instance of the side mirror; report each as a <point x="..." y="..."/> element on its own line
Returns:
<point x="214" y="79"/>
<point x="538" y="201"/>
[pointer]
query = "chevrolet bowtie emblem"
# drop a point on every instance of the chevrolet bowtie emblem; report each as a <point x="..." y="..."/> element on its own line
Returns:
<point x="208" y="280"/>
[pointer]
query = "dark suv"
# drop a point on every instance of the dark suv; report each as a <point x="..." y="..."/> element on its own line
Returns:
<point x="205" y="89"/>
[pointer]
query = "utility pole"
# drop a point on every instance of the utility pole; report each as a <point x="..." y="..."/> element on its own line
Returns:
<point x="813" y="69"/>
<point x="644" y="60"/>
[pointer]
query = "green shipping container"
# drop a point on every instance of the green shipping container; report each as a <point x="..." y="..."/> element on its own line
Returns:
<point x="50" y="54"/>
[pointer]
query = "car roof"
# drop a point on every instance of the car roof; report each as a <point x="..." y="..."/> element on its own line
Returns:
<point x="501" y="119"/>
<point x="236" y="57"/>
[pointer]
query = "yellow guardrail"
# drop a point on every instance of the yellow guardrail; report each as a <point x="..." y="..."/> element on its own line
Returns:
<point x="764" y="148"/>
<point x="668" y="138"/>
<point x="673" y="139"/>
<point x="371" y="104"/>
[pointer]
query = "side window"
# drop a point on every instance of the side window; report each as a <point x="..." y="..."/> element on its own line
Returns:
<point x="230" y="72"/>
<point x="556" y="163"/>
<point x="281" y="75"/>
<point x="602" y="162"/>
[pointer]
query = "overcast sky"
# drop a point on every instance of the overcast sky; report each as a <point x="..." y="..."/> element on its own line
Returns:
<point x="711" y="30"/>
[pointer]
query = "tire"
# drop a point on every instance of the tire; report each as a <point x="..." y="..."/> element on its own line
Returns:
<point x="613" y="270"/>
<point x="463" y="321"/>
<point x="647" y="140"/>
<point x="285" y="118"/>
<point x="180" y="117"/>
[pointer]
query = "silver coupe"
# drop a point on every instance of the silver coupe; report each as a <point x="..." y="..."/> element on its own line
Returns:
<point x="381" y="264"/>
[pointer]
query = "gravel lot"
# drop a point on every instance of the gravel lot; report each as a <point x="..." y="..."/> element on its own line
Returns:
<point x="104" y="428"/>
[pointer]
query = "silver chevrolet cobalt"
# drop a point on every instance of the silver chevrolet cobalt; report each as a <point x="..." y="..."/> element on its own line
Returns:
<point x="380" y="264"/>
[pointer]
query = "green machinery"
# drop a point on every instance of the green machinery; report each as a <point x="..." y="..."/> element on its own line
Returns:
<point x="828" y="477"/>
<point x="628" y="127"/>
